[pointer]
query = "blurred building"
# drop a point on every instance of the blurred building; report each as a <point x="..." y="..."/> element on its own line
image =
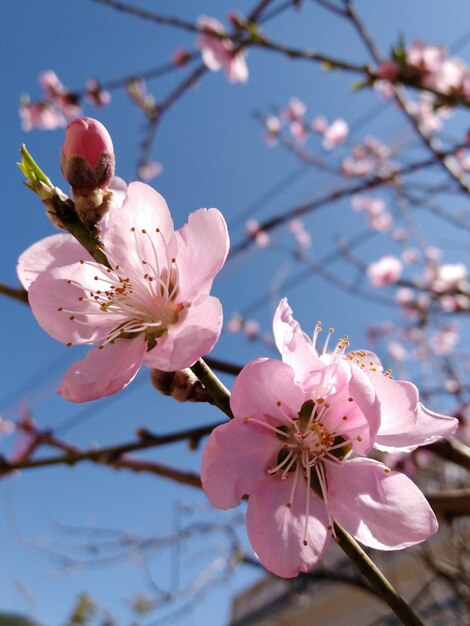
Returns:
<point x="434" y="579"/>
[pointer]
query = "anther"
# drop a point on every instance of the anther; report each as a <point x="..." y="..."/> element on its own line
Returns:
<point x="144" y="231"/>
<point x="60" y="308"/>
<point x="68" y="344"/>
<point x="278" y="403"/>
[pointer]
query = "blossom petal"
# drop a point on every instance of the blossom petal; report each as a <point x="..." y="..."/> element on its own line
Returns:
<point x="380" y="508"/>
<point x="202" y="247"/>
<point x="193" y="336"/>
<point x="265" y="388"/>
<point x="103" y="372"/>
<point x="54" y="251"/>
<point x="317" y="375"/>
<point x="295" y="346"/>
<point x="398" y="404"/>
<point x="429" y="427"/>
<point x="277" y="532"/>
<point x="61" y="303"/>
<point x="134" y="231"/>
<point x="364" y="396"/>
<point x="234" y="460"/>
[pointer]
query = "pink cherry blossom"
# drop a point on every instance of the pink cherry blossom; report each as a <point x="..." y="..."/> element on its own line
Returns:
<point x="385" y="271"/>
<point x="335" y="134"/>
<point x="401" y="422"/>
<point x="151" y="306"/>
<point x="40" y="115"/>
<point x="95" y="94"/>
<point x="150" y="170"/>
<point x="221" y="52"/>
<point x="388" y="70"/>
<point x="287" y="449"/>
<point x="295" y="110"/>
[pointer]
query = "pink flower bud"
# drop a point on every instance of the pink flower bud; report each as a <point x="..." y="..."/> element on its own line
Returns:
<point x="388" y="70"/>
<point x="87" y="154"/>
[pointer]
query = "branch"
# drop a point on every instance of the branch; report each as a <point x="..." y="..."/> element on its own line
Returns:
<point x="450" y="504"/>
<point x="375" y="577"/>
<point x="452" y="450"/>
<point x="112" y="455"/>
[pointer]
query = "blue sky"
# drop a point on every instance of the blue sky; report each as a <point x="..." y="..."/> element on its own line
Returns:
<point x="213" y="155"/>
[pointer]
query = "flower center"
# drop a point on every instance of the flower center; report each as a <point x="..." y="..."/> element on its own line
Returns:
<point x="307" y="446"/>
<point x="141" y="299"/>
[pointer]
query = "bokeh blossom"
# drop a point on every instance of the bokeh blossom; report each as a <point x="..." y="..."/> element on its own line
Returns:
<point x="220" y="52"/>
<point x="289" y="446"/>
<point x="151" y="306"/>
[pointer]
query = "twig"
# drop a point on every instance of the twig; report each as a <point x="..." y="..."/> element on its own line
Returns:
<point x="375" y="577"/>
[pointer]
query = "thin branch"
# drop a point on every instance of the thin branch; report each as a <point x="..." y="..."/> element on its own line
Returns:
<point x="375" y="577"/>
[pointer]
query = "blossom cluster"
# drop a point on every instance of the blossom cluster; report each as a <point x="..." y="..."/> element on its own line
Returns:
<point x="297" y="448"/>
<point x="429" y="66"/>
<point x="303" y="426"/>
<point x="58" y="104"/>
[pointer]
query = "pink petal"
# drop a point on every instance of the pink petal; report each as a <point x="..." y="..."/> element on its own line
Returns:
<point x="144" y="209"/>
<point x="103" y="372"/>
<point x="277" y="531"/>
<point x="202" y="246"/>
<point x="317" y="376"/>
<point x="53" y="251"/>
<point x="295" y="346"/>
<point x="62" y="293"/>
<point x="265" y="388"/>
<point x="398" y="404"/>
<point x="234" y="460"/>
<point x="364" y="396"/>
<point x="380" y="508"/>
<point x="193" y="336"/>
<point x="429" y="427"/>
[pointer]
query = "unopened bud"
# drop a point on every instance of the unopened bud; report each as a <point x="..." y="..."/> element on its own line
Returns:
<point x="182" y="386"/>
<point x="88" y="165"/>
<point x="87" y="154"/>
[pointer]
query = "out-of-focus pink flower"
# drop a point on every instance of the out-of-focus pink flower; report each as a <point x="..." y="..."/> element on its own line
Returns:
<point x="448" y="277"/>
<point x="385" y="271"/>
<point x="287" y="448"/>
<point x="255" y="232"/>
<point x="57" y="106"/>
<point x="180" y="57"/>
<point x="221" y="52"/>
<point x="295" y="110"/>
<point x="444" y="342"/>
<point x="40" y="115"/>
<point x="272" y="126"/>
<point x="335" y="134"/>
<point x="51" y="84"/>
<point x="96" y="94"/>
<point x="410" y="255"/>
<point x="150" y="170"/>
<point x="397" y="351"/>
<point x="319" y="124"/>
<point x="302" y="237"/>
<point x="298" y="130"/>
<point x="235" y="323"/>
<point x="388" y="70"/>
<point x="151" y="306"/>
<point x="251" y="328"/>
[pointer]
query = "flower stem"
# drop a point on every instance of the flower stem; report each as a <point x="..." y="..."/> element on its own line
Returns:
<point x="218" y="391"/>
<point x="371" y="572"/>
